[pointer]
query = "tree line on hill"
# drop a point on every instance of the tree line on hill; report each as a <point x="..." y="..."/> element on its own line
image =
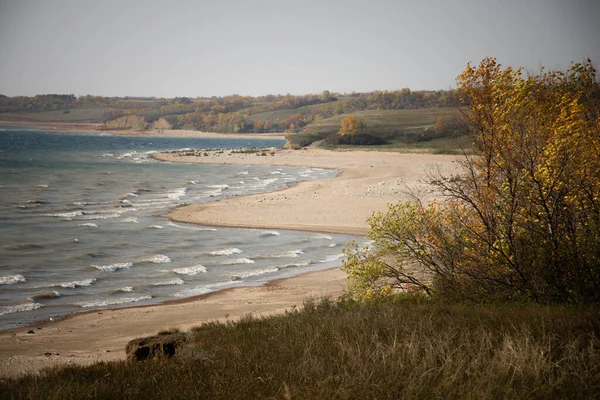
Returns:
<point x="235" y="113"/>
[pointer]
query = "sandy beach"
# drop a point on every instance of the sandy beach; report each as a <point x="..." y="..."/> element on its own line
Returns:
<point x="367" y="182"/>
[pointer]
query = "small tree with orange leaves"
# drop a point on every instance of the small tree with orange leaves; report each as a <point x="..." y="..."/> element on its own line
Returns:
<point x="349" y="126"/>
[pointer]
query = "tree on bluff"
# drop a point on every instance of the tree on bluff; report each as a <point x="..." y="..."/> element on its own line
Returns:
<point x="523" y="222"/>
<point x="349" y="126"/>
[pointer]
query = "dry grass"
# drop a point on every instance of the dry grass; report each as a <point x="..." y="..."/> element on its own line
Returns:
<point x="405" y="348"/>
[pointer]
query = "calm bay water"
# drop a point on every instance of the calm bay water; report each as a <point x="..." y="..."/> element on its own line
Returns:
<point x="81" y="224"/>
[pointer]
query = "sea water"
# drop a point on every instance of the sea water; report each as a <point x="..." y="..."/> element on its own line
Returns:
<point x="82" y="224"/>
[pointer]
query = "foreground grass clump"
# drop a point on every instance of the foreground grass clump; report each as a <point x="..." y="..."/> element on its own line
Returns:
<point x="391" y="348"/>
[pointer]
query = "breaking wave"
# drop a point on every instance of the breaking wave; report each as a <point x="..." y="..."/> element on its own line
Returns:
<point x="193" y="270"/>
<point x="12" y="279"/>
<point x="112" y="302"/>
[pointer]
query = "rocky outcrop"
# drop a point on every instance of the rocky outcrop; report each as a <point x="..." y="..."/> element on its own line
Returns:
<point x="153" y="347"/>
<point x="127" y="122"/>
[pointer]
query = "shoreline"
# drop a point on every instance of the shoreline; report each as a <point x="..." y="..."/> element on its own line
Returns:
<point x="368" y="181"/>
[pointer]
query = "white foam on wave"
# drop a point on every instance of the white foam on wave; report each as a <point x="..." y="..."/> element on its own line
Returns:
<point x="255" y="273"/>
<point x="157" y="259"/>
<point x="193" y="182"/>
<point x="42" y="186"/>
<point x="177" y="193"/>
<point x="156" y="227"/>
<point x="131" y="219"/>
<point x="243" y="173"/>
<point x="20" y="308"/>
<point x="75" y="284"/>
<point x="89" y="225"/>
<point x="217" y="186"/>
<point x="112" y="302"/>
<point x="226" y="252"/>
<point x="295" y="265"/>
<point x="127" y="289"/>
<point x="190" y="227"/>
<point x="322" y="237"/>
<point x="269" y="233"/>
<point x="242" y="260"/>
<point x="113" y="267"/>
<point x="332" y="245"/>
<point x="288" y="254"/>
<point x="127" y="155"/>
<point x="198" y="290"/>
<point x="332" y="257"/>
<point x="94" y="217"/>
<point x="12" y="279"/>
<point x="174" y="281"/>
<point x="69" y="214"/>
<point x="193" y="270"/>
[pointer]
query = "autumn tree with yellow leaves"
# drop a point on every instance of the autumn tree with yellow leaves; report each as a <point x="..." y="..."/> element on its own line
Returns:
<point x="523" y="221"/>
<point x="349" y="126"/>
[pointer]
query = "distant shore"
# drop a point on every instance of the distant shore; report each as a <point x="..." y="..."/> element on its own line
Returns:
<point x="97" y="128"/>
<point x="367" y="182"/>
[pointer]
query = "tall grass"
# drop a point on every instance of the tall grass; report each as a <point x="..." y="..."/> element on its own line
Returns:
<point x="343" y="350"/>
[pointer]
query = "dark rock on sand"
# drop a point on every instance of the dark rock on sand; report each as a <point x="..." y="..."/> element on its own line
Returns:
<point x="153" y="347"/>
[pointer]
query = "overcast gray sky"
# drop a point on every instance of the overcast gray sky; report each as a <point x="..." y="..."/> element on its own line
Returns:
<point x="170" y="48"/>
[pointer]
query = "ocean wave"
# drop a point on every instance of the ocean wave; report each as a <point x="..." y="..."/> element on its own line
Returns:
<point x="69" y="214"/>
<point x="332" y="257"/>
<point x="127" y="289"/>
<point x="193" y="270"/>
<point x="269" y="233"/>
<point x="226" y="252"/>
<point x="157" y="259"/>
<point x="50" y="295"/>
<point x="295" y="265"/>
<point x="127" y="155"/>
<point x="42" y="186"/>
<point x="177" y="193"/>
<point x="288" y="254"/>
<point x="198" y="290"/>
<point x="112" y="302"/>
<point x="242" y="260"/>
<point x="113" y="267"/>
<point x="254" y="273"/>
<point x="75" y="284"/>
<point x="174" y="281"/>
<point x="243" y="173"/>
<point x="131" y="219"/>
<point x="94" y="254"/>
<point x="89" y="225"/>
<point x="26" y="246"/>
<point x="217" y="186"/>
<point x="12" y="279"/>
<point x="194" y="182"/>
<point x="94" y="217"/>
<point x="20" y="308"/>
<point x="193" y="228"/>
<point x="156" y="227"/>
<point x="322" y="237"/>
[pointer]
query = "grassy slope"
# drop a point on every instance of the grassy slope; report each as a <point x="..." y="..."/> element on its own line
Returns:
<point x="381" y="121"/>
<point x="76" y="115"/>
<point x="400" y="349"/>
